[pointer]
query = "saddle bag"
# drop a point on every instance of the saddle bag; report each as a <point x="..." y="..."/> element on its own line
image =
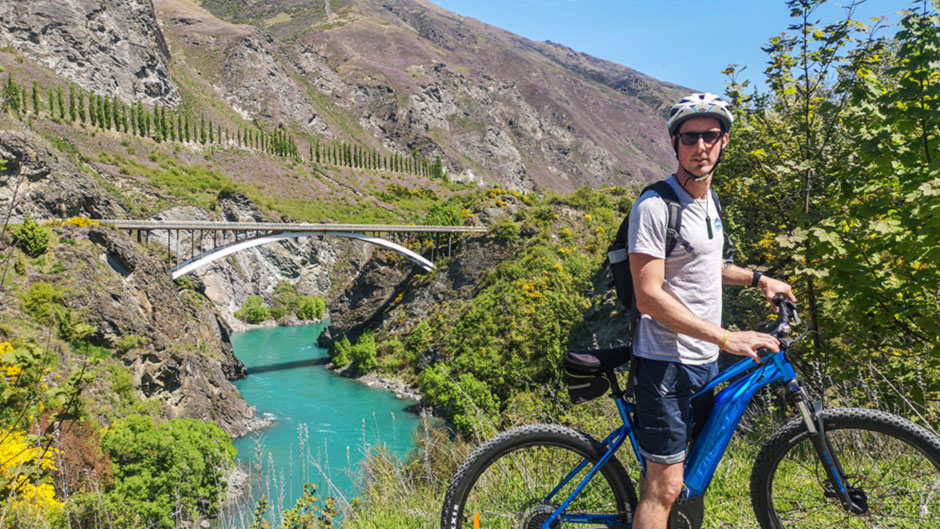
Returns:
<point x="586" y="372"/>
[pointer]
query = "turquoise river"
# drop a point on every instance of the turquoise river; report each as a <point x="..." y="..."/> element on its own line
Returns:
<point x="323" y="424"/>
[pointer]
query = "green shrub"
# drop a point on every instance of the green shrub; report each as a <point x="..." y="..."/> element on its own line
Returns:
<point x="419" y="339"/>
<point x="31" y="237"/>
<point x="447" y="214"/>
<point x="468" y="401"/>
<point x="253" y="310"/>
<point x="176" y="468"/>
<point x="42" y="301"/>
<point x="362" y="355"/>
<point x="310" y="308"/>
<point x="129" y="342"/>
<point x="341" y="352"/>
<point x="506" y="231"/>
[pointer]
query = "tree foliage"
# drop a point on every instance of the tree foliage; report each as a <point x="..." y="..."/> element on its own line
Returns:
<point x="176" y="467"/>
<point x="254" y="310"/>
<point x="341" y="352"/>
<point x="31" y="237"/>
<point x="362" y="356"/>
<point x="833" y="182"/>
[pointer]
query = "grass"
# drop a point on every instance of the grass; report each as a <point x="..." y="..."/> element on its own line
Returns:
<point x="191" y="183"/>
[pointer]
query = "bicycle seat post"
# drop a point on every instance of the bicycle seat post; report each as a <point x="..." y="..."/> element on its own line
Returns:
<point x="615" y="391"/>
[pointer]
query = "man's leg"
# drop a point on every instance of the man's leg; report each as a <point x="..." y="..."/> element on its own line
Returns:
<point x="658" y="493"/>
<point x="661" y="396"/>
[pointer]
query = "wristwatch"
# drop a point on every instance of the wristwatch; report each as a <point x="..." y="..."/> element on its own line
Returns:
<point x="756" y="279"/>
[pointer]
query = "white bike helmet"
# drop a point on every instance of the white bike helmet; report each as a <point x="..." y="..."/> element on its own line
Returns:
<point x="699" y="104"/>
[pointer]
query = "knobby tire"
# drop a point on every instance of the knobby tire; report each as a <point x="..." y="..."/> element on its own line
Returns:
<point x="891" y="464"/>
<point x="505" y="480"/>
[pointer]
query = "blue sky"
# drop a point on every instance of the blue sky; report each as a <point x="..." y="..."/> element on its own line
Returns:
<point x="679" y="41"/>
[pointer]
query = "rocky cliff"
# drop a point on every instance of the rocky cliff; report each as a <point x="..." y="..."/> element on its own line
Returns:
<point x="114" y="48"/>
<point x="184" y="359"/>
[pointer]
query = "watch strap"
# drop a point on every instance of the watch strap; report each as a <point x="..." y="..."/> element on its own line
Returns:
<point x="756" y="279"/>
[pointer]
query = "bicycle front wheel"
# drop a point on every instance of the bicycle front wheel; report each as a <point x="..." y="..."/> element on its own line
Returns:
<point x="517" y="480"/>
<point x="891" y="466"/>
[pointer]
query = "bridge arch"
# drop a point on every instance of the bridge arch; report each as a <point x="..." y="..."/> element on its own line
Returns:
<point x="215" y="254"/>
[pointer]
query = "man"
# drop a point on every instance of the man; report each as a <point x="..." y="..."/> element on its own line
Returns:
<point x="679" y="333"/>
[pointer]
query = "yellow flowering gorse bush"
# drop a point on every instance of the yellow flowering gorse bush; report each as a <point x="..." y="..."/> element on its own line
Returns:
<point x="16" y="458"/>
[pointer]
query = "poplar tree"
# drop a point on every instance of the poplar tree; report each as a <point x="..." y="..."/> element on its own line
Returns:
<point x="116" y="113"/>
<point x="11" y="94"/>
<point x="81" y="107"/>
<point x="61" y="101"/>
<point x="72" y="112"/>
<point x="35" y="98"/>
<point x="92" y="112"/>
<point x="202" y="130"/>
<point x="105" y="109"/>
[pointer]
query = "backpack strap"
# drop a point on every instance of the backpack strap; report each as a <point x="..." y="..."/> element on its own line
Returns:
<point x="674" y="216"/>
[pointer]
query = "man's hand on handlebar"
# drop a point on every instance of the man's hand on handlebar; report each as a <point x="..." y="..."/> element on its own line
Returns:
<point x="748" y="343"/>
<point x="770" y="287"/>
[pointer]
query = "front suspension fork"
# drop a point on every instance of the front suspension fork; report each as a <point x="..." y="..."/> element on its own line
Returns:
<point x="812" y="418"/>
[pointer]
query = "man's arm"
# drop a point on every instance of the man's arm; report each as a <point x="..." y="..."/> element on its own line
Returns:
<point x="769" y="287"/>
<point x="652" y="299"/>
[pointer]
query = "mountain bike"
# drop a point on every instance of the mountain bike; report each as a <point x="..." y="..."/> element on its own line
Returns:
<point x="840" y="467"/>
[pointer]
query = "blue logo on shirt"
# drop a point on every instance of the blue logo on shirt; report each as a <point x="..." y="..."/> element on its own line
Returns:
<point x="717" y="223"/>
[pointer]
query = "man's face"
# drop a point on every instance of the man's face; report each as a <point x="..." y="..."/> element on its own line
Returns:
<point x="699" y="158"/>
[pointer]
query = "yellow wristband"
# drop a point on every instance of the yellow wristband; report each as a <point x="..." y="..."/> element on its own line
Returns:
<point x="721" y="346"/>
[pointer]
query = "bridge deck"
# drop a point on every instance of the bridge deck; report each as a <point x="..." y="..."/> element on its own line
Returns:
<point x="285" y="227"/>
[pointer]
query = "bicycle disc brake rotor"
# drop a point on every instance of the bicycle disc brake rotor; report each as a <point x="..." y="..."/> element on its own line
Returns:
<point x="858" y="494"/>
<point x="536" y="515"/>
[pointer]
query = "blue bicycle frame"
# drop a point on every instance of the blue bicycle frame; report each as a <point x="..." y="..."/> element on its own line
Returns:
<point x="723" y="420"/>
<point x="730" y="404"/>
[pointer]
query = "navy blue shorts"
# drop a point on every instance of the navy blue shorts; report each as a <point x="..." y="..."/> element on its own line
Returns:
<point x="667" y="419"/>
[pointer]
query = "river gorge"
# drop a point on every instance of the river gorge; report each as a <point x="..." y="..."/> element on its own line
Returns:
<point x="322" y="425"/>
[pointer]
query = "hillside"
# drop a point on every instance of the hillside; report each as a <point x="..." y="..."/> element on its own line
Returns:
<point x="343" y="111"/>
<point x="366" y="112"/>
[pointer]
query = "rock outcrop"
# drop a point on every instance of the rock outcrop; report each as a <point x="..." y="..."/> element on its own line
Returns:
<point x="185" y="360"/>
<point x="44" y="183"/>
<point x="110" y="48"/>
<point x="183" y="357"/>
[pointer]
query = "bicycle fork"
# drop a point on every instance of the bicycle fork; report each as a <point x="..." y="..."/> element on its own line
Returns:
<point x="812" y="418"/>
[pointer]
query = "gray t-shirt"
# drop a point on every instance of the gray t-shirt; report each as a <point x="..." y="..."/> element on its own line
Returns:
<point x="694" y="278"/>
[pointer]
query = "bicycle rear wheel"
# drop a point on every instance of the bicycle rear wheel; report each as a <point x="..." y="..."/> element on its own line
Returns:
<point x="508" y="482"/>
<point x="891" y="465"/>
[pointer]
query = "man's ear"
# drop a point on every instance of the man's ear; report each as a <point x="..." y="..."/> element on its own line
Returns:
<point x="724" y="140"/>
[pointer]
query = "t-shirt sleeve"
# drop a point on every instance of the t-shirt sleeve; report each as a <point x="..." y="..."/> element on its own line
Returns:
<point x="648" y="226"/>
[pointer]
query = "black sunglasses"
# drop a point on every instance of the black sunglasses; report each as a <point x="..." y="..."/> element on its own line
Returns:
<point x="691" y="138"/>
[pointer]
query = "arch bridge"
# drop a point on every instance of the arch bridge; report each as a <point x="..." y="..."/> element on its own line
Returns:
<point x="211" y="241"/>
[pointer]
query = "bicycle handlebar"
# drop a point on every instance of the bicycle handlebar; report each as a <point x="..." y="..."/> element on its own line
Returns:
<point x="787" y="313"/>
